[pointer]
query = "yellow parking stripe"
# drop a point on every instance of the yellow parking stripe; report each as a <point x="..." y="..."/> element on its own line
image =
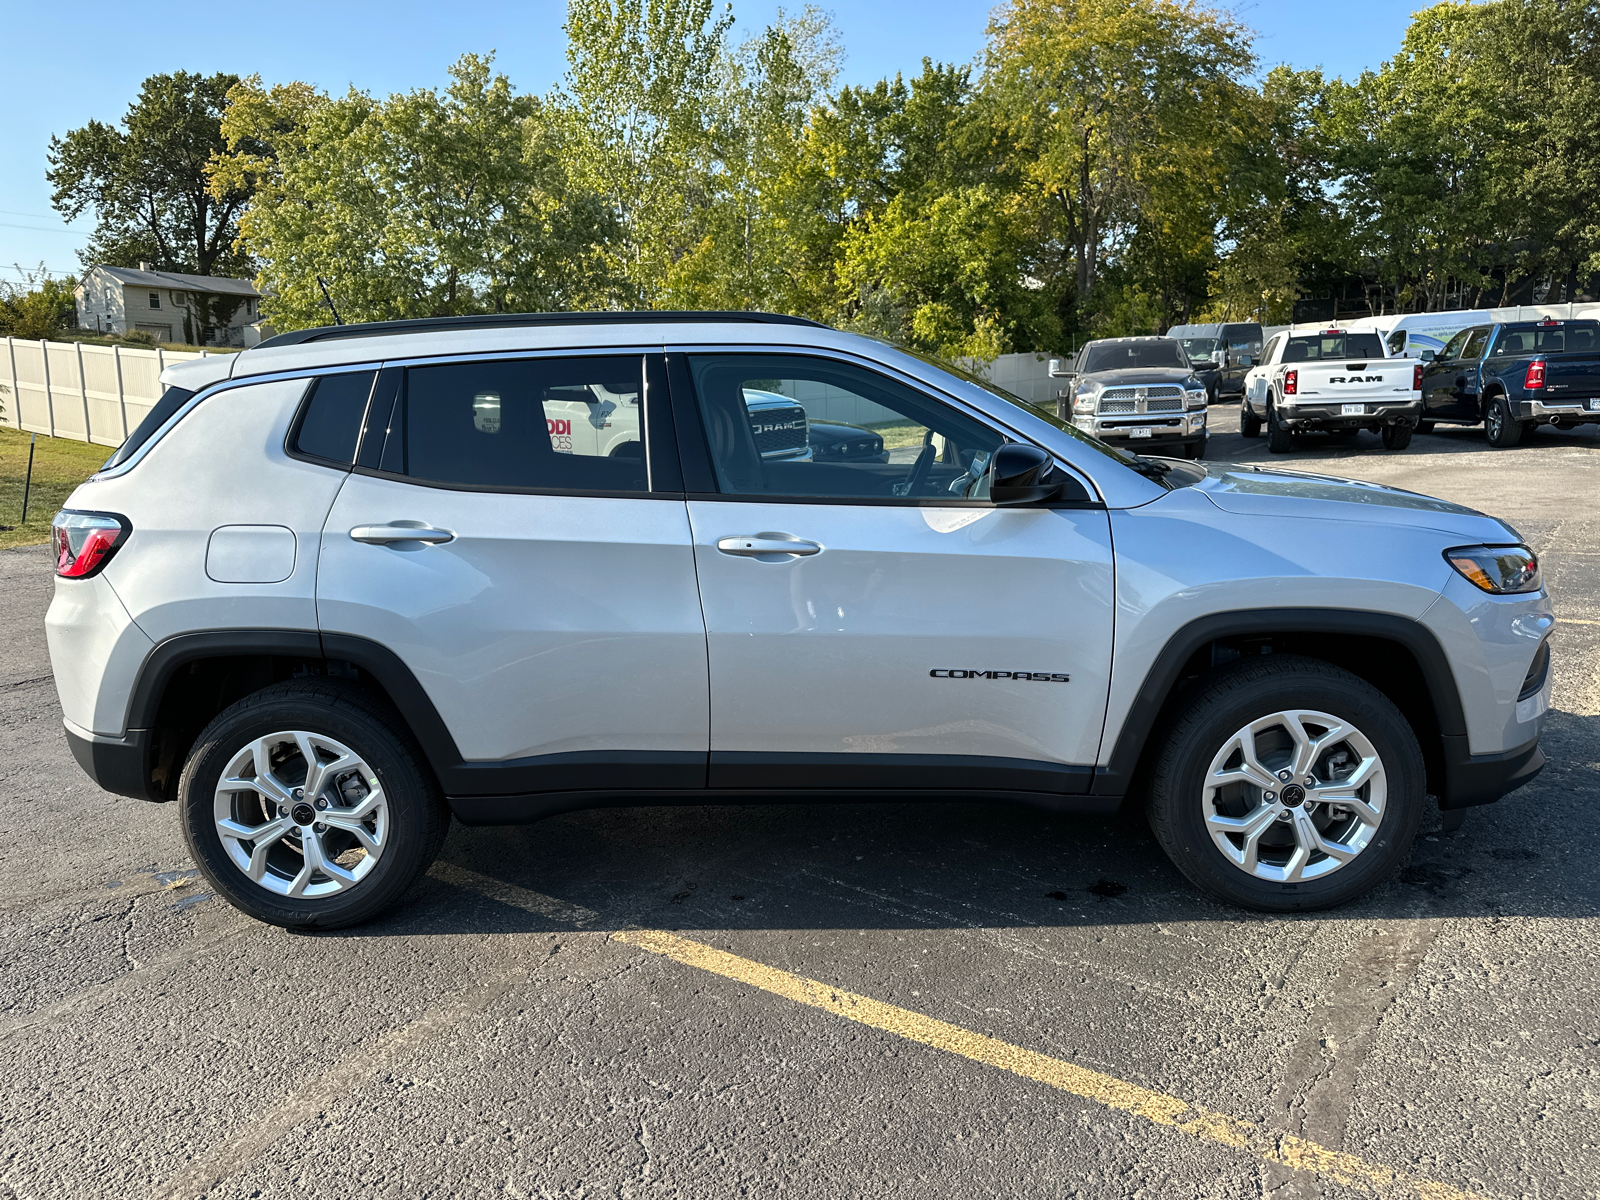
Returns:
<point x="1574" y="621"/>
<point x="1159" y="1108"/>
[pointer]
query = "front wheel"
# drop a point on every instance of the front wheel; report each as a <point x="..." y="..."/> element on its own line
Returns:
<point x="1287" y="784"/>
<point x="1396" y="437"/>
<point x="307" y="805"/>
<point x="1279" y="439"/>
<point x="1500" y="425"/>
<point x="1424" y="426"/>
<point x="1195" y="451"/>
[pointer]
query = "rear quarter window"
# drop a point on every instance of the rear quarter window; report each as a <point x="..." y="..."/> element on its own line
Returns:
<point x="330" y="419"/>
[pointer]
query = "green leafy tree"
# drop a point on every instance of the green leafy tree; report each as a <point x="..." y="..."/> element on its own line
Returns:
<point x="38" y="307"/>
<point x="146" y="181"/>
<point x="423" y="204"/>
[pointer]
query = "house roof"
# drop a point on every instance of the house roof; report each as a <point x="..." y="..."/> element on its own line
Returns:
<point x="216" y="284"/>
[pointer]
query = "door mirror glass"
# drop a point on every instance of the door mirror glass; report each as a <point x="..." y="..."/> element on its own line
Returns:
<point x="1246" y="361"/>
<point x="1426" y="356"/>
<point x="1021" y="475"/>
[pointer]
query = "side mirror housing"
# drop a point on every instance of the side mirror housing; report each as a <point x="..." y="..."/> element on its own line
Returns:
<point x="1018" y="475"/>
<point x="1426" y="356"/>
<point x="1246" y="361"/>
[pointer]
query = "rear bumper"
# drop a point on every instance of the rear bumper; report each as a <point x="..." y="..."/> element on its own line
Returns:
<point x="117" y="764"/>
<point x="1473" y="779"/>
<point x="1576" y="412"/>
<point x="1333" y="416"/>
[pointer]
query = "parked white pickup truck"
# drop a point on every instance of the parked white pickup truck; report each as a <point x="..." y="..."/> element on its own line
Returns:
<point x="1338" y="380"/>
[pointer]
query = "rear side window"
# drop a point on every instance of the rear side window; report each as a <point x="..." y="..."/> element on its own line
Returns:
<point x="171" y="401"/>
<point x="542" y="424"/>
<point x="330" y="421"/>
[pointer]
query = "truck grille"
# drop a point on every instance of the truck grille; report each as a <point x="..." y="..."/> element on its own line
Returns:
<point x="779" y="430"/>
<point x="1125" y="401"/>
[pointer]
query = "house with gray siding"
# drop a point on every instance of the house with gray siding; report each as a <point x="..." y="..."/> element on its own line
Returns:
<point x="200" y="310"/>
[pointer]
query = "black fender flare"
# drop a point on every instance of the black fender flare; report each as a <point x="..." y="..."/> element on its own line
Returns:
<point x="1116" y="775"/>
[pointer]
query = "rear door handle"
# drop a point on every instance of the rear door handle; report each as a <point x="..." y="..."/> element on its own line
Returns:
<point x="755" y="545"/>
<point x="400" y="531"/>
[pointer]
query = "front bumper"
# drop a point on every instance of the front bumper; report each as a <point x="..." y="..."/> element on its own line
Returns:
<point x="1331" y="415"/>
<point x="1164" y="427"/>
<point x="1577" y="412"/>
<point x="1473" y="779"/>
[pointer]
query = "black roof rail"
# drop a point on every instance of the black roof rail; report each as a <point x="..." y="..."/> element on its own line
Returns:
<point x="323" y="333"/>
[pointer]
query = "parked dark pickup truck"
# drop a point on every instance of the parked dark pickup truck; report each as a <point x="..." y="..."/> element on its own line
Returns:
<point x="1515" y="376"/>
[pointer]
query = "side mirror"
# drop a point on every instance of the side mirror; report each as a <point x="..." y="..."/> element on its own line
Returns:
<point x="1246" y="361"/>
<point x="1426" y="356"/>
<point x="1018" y="475"/>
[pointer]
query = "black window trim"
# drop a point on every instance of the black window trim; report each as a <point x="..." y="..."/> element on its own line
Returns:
<point x="661" y="466"/>
<point x="700" y="478"/>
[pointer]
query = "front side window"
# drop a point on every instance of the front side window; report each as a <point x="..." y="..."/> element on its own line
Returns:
<point x="1397" y="341"/>
<point x="1272" y="348"/>
<point x="790" y="425"/>
<point x="1199" y="350"/>
<point x="540" y="424"/>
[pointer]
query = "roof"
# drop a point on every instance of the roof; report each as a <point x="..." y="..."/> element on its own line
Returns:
<point x="217" y="284"/>
<point x="323" y="333"/>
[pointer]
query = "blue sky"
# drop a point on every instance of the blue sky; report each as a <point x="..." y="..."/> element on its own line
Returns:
<point x="96" y="70"/>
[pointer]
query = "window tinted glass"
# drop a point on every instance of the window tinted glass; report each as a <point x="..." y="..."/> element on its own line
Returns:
<point x="330" y="423"/>
<point x="1271" y="347"/>
<point x="793" y="426"/>
<point x="1116" y="356"/>
<point x="1312" y="347"/>
<point x="1452" y="348"/>
<point x="1550" y="339"/>
<point x="1199" y="349"/>
<point x="1397" y="341"/>
<point x="1476" y="344"/>
<point x="558" y="423"/>
<point x="171" y="401"/>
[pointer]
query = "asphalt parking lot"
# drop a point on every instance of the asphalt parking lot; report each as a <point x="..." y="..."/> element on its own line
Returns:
<point x="836" y="1001"/>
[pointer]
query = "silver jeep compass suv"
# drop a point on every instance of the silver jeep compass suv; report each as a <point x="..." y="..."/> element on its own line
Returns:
<point x="340" y="587"/>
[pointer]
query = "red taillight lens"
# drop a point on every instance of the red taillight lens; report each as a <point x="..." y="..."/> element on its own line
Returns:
<point x="1291" y="383"/>
<point x="1535" y="376"/>
<point x="1416" y="378"/>
<point x="84" y="541"/>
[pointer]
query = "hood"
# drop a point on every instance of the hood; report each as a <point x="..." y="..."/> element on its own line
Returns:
<point x="1266" y="491"/>
<point x="1129" y="376"/>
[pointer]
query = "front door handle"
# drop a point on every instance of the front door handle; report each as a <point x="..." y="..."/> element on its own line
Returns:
<point x="756" y="545"/>
<point x="400" y="531"/>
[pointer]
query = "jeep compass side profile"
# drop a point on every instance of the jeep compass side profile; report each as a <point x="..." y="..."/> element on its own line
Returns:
<point x="341" y="587"/>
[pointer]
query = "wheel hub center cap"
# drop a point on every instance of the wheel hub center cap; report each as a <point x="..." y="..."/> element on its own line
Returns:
<point x="303" y="813"/>
<point x="1293" y="795"/>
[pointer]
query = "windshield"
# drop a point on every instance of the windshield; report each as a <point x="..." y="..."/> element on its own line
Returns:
<point x="1313" y="347"/>
<point x="1119" y="356"/>
<point x="1199" y="349"/>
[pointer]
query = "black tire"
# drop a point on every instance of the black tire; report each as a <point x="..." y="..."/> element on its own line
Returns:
<point x="1396" y="437"/>
<point x="1424" y="426"/>
<point x="1249" y="423"/>
<point x="418" y="817"/>
<point x="1195" y="451"/>
<point x="1279" y="439"/>
<point x="1500" y="425"/>
<point x="1244" y="692"/>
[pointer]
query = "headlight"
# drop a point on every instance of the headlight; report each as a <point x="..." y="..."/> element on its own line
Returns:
<point x="1194" y="394"/>
<point x="1086" y="398"/>
<point x="1501" y="570"/>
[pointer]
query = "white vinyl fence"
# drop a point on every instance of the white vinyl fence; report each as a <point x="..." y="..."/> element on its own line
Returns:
<point x="87" y="393"/>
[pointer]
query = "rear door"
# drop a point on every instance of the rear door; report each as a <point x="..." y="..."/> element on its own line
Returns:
<point x="541" y="591"/>
<point x="882" y="624"/>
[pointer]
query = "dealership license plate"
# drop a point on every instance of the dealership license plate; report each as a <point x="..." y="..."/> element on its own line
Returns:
<point x="1133" y="433"/>
<point x="1353" y="410"/>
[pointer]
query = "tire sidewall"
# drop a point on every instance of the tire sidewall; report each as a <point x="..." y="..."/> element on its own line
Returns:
<point x="1197" y="855"/>
<point x="407" y="798"/>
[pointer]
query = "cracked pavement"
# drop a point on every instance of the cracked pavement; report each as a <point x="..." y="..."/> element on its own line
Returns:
<point x="490" y="1038"/>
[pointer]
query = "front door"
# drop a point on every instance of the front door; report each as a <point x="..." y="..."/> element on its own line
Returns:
<point x="1444" y="382"/>
<point x="534" y="586"/>
<point x="879" y="623"/>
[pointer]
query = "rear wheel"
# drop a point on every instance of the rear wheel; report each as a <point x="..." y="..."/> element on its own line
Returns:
<point x="1279" y="439"/>
<point x="1286" y="784"/>
<point x="1249" y="423"/>
<point x="307" y="805"/>
<point x="1500" y="425"/>
<point x="1396" y="437"/>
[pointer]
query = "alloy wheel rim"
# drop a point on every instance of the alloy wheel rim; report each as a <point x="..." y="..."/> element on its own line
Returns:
<point x="1294" y="796"/>
<point x="301" y="815"/>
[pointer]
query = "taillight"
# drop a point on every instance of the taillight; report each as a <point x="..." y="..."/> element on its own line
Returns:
<point x="1416" y="378"/>
<point x="85" y="541"/>
<point x="1535" y="376"/>
<point x="1291" y="383"/>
